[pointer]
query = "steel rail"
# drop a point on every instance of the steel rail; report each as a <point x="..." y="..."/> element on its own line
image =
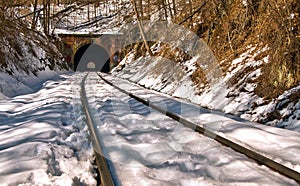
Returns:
<point x="284" y="170"/>
<point x="105" y="174"/>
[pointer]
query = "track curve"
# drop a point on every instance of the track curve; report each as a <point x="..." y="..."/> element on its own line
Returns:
<point x="206" y="132"/>
<point x="102" y="162"/>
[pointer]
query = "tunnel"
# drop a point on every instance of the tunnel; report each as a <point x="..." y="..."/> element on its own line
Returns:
<point x="92" y="57"/>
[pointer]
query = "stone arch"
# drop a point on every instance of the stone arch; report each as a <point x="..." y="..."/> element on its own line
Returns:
<point x="91" y="57"/>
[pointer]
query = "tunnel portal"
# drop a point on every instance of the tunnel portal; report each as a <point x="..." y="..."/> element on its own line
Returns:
<point x="92" y="57"/>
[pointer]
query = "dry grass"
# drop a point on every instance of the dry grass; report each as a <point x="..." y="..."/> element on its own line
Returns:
<point x="174" y="54"/>
<point x="281" y="33"/>
<point x="200" y="79"/>
<point x="229" y="27"/>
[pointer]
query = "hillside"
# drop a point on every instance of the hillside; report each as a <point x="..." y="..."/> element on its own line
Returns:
<point x="27" y="57"/>
<point x="256" y="46"/>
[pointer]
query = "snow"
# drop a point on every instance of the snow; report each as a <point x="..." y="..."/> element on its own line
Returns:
<point x="43" y="137"/>
<point x="86" y="32"/>
<point x="148" y="148"/>
<point x="234" y="128"/>
<point x="28" y="61"/>
<point x="245" y="3"/>
<point x="21" y="83"/>
<point x="238" y="99"/>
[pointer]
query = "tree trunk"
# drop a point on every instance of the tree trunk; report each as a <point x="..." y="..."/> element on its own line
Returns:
<point x="170" y="9"/>
<point x="141" y="8"/>
<point x="46" y="16"/>
<point x="141" y="28"/>
<point x="163" y="3"/>
<point x="149" y="9"/>
<point x="88" y="12"/>
<point x="174" y="7"/>
<point x="190" y="9"/>
<point x="106" y="5"/>
<point x="34" y="15"/>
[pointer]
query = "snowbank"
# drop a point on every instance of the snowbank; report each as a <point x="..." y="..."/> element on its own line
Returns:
<point x="233" y="93"/>
<point x="44" y="139"/>
<point x="28" y="58"/>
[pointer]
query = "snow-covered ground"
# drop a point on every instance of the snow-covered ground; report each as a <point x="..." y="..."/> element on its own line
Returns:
<point x="44" y="140"/>
<point x="43" y="137"/>
<point x="172" y="78"/>
<point x="241" y="131"/>
<point x="22" y="83"/>
<point x="27" y="59"/>
<point x="148" y="148"/>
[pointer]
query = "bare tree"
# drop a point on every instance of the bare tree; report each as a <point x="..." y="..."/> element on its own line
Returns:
<point x="140" y="8"/>
<point x="174" y="7"/>
<point x="170" y="9"/>
<point x="141" y="27"/>
<point x="163" y="4"/>
<point x="46" y="16"/>
<point x="149" y="9"/>
<point x="34" y="15"/>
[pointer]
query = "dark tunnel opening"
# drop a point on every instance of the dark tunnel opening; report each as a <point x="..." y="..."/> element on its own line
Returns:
<point x="92" y="57"/>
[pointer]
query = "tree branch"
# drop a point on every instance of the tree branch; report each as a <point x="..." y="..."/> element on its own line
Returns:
<point x="192" y="15"/>
<point x="141" y="28"/>
<point x="29" y="14"/>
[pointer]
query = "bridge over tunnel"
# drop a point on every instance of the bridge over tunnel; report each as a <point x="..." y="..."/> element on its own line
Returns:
<point x="91" y="52"/>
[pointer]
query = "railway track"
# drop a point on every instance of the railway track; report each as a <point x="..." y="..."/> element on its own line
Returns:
<point x="103" y="162"/>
